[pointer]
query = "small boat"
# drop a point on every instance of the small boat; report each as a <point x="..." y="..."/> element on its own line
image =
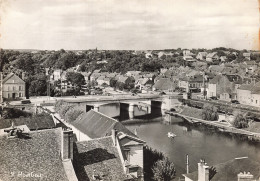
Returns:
<point x="171" y="135"/>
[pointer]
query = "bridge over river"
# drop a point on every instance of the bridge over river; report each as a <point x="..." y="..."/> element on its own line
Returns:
<point x="127" y="103"/>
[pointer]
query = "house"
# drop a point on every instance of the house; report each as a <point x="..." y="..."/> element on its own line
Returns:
<point x="224" y="87"/>
<point x="148" y="54"/>
<point x="251" y="66"/>
<point x="56" y="75"/>
<point x="144" y="83"/>
<point x="98" y="159"/>
<point x="92" y="127"/>
<point x="188" y="58"/>
<point x="244" y="94"/>
<point x="165" y="84"/>
<point x="201" y="56"/>
<point x="103" y="80"/>
<point x="13" y="87"/>
<point x="36" y="155"/>
<point x="212" y="57"/>
<point x="123" y="79"/>
<point x="151" y="76"/>
<point x="166" y="54"/>
<point x="132" y="73"/>
<point x="217" y="69"/>
<point x="192" y="84"/>
<point x="31" y="123"/>
<point x="249" y="94"/>
<point x="86" y="76"/>
<point x="223" y="58"/>
<point x="186" y="53"/>
<point x="247" y="55"/>
<point x="255" y="95"/>
<point x="238" y="169"/>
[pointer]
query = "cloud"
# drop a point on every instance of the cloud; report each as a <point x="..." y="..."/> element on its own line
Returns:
<point x="124" y="24"/>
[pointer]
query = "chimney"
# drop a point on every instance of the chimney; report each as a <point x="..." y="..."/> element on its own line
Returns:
<point x="23" y="75"/>
<point x="203" y="171"/>
<point x="245" y="176"/>
<point x="67" y="144"/>
<point x="114" y="134"/>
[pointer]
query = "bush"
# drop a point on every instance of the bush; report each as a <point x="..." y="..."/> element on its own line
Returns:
<point x="210" y="112"/>
<point x="64" y="109"/>
<point x="72" y="114"/>
<point x="240" y="121"/>
<point x="58" y="105"/>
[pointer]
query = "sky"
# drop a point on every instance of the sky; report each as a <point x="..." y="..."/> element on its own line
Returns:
<point x="129" y="24"/>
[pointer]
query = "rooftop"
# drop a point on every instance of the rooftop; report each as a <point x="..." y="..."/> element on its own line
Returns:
<point x="97" y="125"/>
<point x="99" y="157"/>
<point x="39" y="154"/>
<point x="33" y="123"/>
<point x="164" y="84"/>
<point x="230" y="169"/>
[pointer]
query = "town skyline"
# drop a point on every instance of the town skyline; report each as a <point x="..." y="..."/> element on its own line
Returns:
<point x="129" y="25"/>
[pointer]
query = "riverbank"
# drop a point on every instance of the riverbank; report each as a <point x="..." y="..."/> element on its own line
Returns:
<point x="186" y="114"/>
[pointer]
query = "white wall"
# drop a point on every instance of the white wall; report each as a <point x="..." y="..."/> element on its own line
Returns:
<point x="256" y="100"/>
<point x="212" y="90"/>
<point x="136" y="155"/>
<point x="80" y="136"/>
<point x="244" y="96"/>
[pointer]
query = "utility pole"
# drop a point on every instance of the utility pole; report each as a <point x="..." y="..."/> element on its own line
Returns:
<point x="48" y="82"/>
<point x="204" y="86"/>
<point x="187" y="163"/>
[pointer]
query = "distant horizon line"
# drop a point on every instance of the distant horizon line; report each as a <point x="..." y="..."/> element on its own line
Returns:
<point x="31" y="49"/>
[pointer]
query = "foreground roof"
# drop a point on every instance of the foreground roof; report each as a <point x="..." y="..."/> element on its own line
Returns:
<point x="39" y="154"/>
<point x="228" y="171"/>
<point x="97" y="125"/>
<point x="98" y="157"/>
<point x="32" y="123"/>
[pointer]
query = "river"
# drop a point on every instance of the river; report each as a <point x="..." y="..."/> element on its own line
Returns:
<point x="196" y="141"/>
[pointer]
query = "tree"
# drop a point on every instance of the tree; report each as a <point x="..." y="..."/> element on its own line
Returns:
<point x="58" y="105"/>
<point x="164" y="170"/>
<point x="240" y="120"/>
<point x="151" y="156"/>
<point x="38" y="87"/>
<point x="76" y="79"/>
<point x="72" y="114"/>
<point x="113" y="82"/>
<point x="210" y="112"/>
<point x="64" y="109"/>
<point x="9" y="113"/>
<point x="120" y="85"/>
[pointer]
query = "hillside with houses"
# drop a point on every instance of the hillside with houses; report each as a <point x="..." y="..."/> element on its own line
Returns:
<point x="57" y="73"/>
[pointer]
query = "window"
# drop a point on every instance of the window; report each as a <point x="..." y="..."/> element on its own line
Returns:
<point x="20" y="88"/>
<point x="13" y="88"/>
<point x="256" y="101"/>
<point x="127" y="153"/>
